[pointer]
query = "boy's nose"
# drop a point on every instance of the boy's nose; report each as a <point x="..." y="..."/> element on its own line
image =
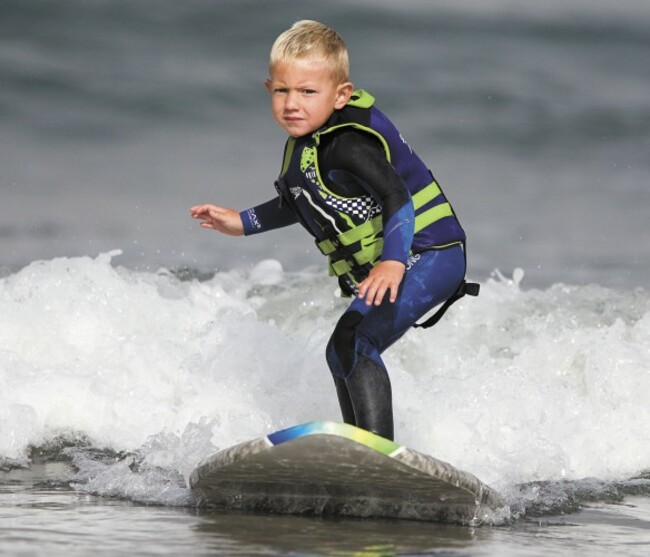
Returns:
<point x="292" y="101"/>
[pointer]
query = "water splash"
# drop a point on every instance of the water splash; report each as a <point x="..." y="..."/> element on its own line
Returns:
<point x="531" y="390"/>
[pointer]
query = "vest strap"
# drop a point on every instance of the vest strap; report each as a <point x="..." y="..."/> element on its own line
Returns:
<point x="426" y="194"/>
<point x="465" y="289"/>
<point x="432" y="215"/>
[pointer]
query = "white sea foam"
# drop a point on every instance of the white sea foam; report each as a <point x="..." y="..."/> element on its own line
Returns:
<point x="515" y="386"/>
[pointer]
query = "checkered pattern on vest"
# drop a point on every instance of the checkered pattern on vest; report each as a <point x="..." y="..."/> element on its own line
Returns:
<point x="360" y="209"/>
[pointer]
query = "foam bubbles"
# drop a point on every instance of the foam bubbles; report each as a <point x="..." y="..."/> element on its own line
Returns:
<point x="525" y="386"/>
<point x="515" y="386"/>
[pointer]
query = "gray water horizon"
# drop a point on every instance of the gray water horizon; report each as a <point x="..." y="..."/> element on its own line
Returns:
<point x="116" y="117"/>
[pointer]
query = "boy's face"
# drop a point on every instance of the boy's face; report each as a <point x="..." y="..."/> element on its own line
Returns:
<point x="304" y="95"/>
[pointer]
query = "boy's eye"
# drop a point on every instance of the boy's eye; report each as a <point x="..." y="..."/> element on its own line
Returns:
<point x="280" y="90"/>
<point x="309" y="91"/>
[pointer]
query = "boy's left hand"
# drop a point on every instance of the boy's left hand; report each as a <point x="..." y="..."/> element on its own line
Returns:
<point x="385" y="276"/>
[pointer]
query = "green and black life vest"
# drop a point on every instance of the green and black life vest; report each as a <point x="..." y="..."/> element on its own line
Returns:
<point x="349" y="230"/>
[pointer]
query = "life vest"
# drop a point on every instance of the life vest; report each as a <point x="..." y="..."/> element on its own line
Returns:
<point x="349" y="231"/>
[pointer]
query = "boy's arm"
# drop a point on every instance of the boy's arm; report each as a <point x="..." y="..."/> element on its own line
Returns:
<point x="266" y="216"/>
<point x="355" y="164"/>
<point x="260" y="218"/>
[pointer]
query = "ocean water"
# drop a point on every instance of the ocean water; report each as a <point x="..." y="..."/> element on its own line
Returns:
<point x="133" y="344"/>
<point x="115" y="383"/>
<point x="117" y="116"/>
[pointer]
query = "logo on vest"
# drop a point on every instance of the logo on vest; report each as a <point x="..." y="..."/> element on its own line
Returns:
<point x="406" y="143"/>
<point x="295" y="191"/>
<point x="311" y="176"/>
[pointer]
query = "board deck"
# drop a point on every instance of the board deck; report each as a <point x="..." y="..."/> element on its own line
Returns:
<point x="334" y="468"/>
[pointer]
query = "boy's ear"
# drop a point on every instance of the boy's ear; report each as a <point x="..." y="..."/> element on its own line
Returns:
<point x="268" y="84"/>
<point x="343" y="94"/>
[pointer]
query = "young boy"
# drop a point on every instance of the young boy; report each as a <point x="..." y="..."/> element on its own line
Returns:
<point x="372" y="205"/>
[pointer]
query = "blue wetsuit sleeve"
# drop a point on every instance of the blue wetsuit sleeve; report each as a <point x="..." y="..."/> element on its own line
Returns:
<point x="398" y="234"/>
<point x="266" y="216"/>
<point x="354" y="164"/>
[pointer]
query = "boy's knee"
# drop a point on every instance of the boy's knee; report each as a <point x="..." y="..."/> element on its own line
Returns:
<point x="341" y="348"/>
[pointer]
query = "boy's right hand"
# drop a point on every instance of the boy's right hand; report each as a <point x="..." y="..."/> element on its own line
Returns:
<point x="218" y="218"/>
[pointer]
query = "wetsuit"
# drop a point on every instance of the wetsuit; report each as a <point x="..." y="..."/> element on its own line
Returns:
<point x="353" y="165"/>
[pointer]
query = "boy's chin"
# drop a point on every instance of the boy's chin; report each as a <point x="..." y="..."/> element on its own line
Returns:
<point x="298" y="129"/>
<point x="299" y="132"/>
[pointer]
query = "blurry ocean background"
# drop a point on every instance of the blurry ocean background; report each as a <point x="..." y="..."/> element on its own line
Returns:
<point x="133" y="343"/>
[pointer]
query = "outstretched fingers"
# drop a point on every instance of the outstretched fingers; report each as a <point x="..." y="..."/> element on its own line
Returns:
<point x="218" y="218"/>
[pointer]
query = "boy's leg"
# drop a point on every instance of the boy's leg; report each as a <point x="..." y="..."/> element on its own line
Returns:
<point x="371" y="397"/>
<point x="364" y="332"/>
<point x="345" y="403"/>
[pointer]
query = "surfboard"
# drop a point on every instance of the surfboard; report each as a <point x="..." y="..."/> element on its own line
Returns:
<point x="330" y="468"/>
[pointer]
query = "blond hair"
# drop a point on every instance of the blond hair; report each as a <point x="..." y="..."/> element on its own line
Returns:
<point x="311" y="39"/>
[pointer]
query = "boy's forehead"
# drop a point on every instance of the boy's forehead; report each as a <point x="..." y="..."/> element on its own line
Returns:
<point x="313" y="66"/>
